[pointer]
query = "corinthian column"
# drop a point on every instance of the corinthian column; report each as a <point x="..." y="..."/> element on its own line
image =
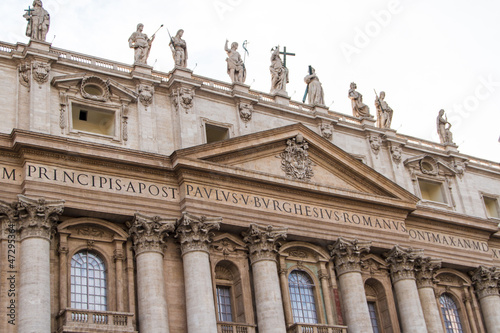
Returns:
<point x="37" y="222"/>
<point x="402" y="263"/>
<point x="262" y="244"/>
<point x="486" y="283"/>
<point x="426" y="270"/>
<point x="347" y="257"/>
<point x="148" y="235"/>
<point x="195" y="235"/>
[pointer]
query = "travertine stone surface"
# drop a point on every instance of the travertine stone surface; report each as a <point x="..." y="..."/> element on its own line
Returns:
<point x="486" y="283"/>
<point x="425" y="274"/>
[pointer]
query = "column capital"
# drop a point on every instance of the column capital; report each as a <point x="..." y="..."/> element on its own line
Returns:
<point x="148" y="233"/>
<point x="262" y="241"/>
<point x="38" y="217"/>
<point x="426" y="269"/>
<point x="485" y="281"/>
<point x="402" y="262"/>
<point x="194" y="232"/>
<point x="347" y="254"/>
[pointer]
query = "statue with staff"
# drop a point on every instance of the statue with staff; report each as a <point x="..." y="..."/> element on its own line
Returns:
<point x="384" y="111"/>
<point x="141" y="44"/>
<point x="179" y="48"/>
<point x="235" y="65"/>
<point x="314" y="89"/>
<point x="38" y="21"/>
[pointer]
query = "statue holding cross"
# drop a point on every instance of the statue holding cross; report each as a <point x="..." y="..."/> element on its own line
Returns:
<point x="38" y="21"/>
<point x="279" y="73"/>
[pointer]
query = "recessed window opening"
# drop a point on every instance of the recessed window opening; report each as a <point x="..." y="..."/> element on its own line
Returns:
<point x="491" y="205"/>
<point x="216" y="133"/>
<point x="431" y="191"/>
<point x="373" y="316"/>
<point x="93" y="120"/>
<point x="83" y="115"/>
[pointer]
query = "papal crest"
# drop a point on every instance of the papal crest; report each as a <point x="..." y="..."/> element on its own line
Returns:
<point x="295" y="161"/>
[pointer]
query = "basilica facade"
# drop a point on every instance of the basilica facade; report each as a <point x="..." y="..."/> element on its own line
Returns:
<point x="140" y="201"/>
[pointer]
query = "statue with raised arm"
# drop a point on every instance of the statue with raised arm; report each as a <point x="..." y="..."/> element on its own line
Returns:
<point x="38" y="21"/>
<point x="141" y="44"/>
<point x="235" y="65"/>
<point x="358" y="108"/>
<point x="443" y="129"/>
<point x="279" y="73"/>
<point x="384" y="111"/>
<point x="179" y="49"/>
<point x="314" y="88"/>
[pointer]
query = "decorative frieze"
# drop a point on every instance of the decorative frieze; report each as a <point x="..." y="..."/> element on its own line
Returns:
<point x="38" y="217"/>
<point x="263" y="241"/>
<point x="326" y="129"/>
<point x="375" y="143"/>
<point x="402" y="262"/>
<point x="183" y="98"/>
<point x="25" y="75"/>
<point x="195" y="233"/>
<point x="40" y="71"/>
<point x="347" y="254"/>
<point x="146" y="93"/>
<point x="396" y="153"/>
<point x="486" y="281"/>
<point x="245" y="110"/>
<point x="295" y="161"/>
<point x="425" y="269"/>
<point x="149" y="233"/>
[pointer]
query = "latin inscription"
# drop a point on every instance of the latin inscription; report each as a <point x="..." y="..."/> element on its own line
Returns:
<point x="449" y="241"/>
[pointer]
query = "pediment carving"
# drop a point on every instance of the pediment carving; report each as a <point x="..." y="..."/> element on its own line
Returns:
<point x="434" y="167"/>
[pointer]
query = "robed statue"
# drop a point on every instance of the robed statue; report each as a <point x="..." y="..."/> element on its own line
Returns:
<point x="315" y="95"/>
<point x="179" y="49"/>
<point x="443" y="129"/>
<point x="141" y="44"/>
<point x="384" y="111"/>
<point x="235" y="65"/>
<point x="279" y="73"/>
<point x="38" y="21"/>
<point x="359" y="109"/>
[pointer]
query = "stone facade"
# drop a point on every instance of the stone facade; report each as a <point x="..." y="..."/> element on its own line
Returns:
<point x="205" y="206"/>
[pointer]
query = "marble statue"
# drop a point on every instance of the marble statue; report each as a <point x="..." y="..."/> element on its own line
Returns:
<point x="179" y="49"/>
<point x="38" y="21"/>
<point x="314" y="88"/>
<point x="384" y="111"/>
<point x="358" y="108"/>
<point x="443" y="129"/>
<point x="141" y="44"/>
<point x="279" y="73"/>
<point x="235" y="65"/>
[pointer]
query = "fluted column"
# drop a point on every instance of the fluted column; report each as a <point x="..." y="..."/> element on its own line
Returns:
<point x="37" y="222"/>
<point x="402" y="263"/>
<point x="425" y="273"/>
<point x="347" y="257"/>
<point x="263" y="248"/>
<point x="195" y="235"/>
<point x="486" y="283"/>
<point x="148" y="236"/>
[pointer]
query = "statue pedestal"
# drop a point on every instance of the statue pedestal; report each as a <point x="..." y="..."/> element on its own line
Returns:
<point x="281" y="97"/>
<point x="142" y="69"/>
<point x="389" y="132"/>
<point x="320" y="109"/>
<point x="182" y="72"/>
<point x="451" y="148"/>
<point x="368" y="121"/>
<point x="39" y="45"/>
<point x="240" y="87"/>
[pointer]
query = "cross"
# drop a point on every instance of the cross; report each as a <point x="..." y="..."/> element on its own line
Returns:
<point x="29" y="10"/>
<point x="284" y="53"/>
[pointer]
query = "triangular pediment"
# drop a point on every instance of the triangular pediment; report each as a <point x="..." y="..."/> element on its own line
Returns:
<point x="278" y="155"/>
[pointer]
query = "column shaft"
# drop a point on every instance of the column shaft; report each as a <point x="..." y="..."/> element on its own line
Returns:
<point x="490" y="307"/>
<point x="410" y="309"/>
<point x="356" y="312"/>
<point x="430" y="309"/>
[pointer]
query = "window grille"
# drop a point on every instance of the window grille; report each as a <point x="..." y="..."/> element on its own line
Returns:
<point x="302" y="297"/>
<point x="88" y="282"/>
<point x="449" y="311"/>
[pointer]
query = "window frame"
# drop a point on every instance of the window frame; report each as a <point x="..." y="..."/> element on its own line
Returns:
<point x="496" y="203"/>
<point x="462" y="322"/>
<point x="313" y="288"/>
<point x="231" y="299"/>
<point x="206" y="121"/>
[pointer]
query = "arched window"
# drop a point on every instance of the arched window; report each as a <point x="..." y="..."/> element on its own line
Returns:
<point x="88" y="282"/>
<point x="449" y="311"/>
<point x="302" y="297"/>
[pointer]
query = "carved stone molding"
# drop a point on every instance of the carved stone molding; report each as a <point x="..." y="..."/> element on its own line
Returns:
<point x="375" y="143"/>
<point x="194" y="232"/>
<point x="95" y="88"/>
<point x="426" y="269"/>
<point x="63" y="104"/>
<point x="125" y="122"/>
<point x="246" y="111"/>
<point x="326" y="129"/>
<point x="347" y="254"/>
<point x="486" y="281"/>
<point x="40" y="71"/>
<point x="295" y="161"/>
<point x="402" y="262"/>
<point x="262" y="241"/>
<point x="183" y="98"/>
<point x="25" y="75"/>
<point x="38" y="217"/>
<point x="8" y="218"/>
<point x="149" y="232"/>
<point x="396" y="154"/>
<point x="146" y="93"/>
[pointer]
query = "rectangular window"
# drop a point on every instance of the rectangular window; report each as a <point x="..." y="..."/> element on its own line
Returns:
<point x="216" y="133"/>
<point x="224" y="303"/>
<point x="93" y="120"/>
<point x="432" y="191"/>
<point x="491" y="205"/>
<point x="373" y="316"/>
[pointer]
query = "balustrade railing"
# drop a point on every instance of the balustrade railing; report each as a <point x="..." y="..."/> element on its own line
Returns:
<point x="316" y="328"/>
<point x="226" y="327"/>
<point x="72" y="319"/>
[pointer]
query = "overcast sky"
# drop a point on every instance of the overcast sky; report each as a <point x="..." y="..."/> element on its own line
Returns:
<point x="426" y="55"/>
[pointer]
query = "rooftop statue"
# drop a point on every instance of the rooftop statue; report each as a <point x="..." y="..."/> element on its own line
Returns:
<point x="279" y="73"/>
<point x="38" y="21"/>
<point x="384" y="111"/>
<point x="358" y="108"/>
<point x="141" y="44"/>
<point x="235" y="65"/>
<point x="314" y="89"/>
<point x="443" y="129"/>
<point x="179" y="49"/>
